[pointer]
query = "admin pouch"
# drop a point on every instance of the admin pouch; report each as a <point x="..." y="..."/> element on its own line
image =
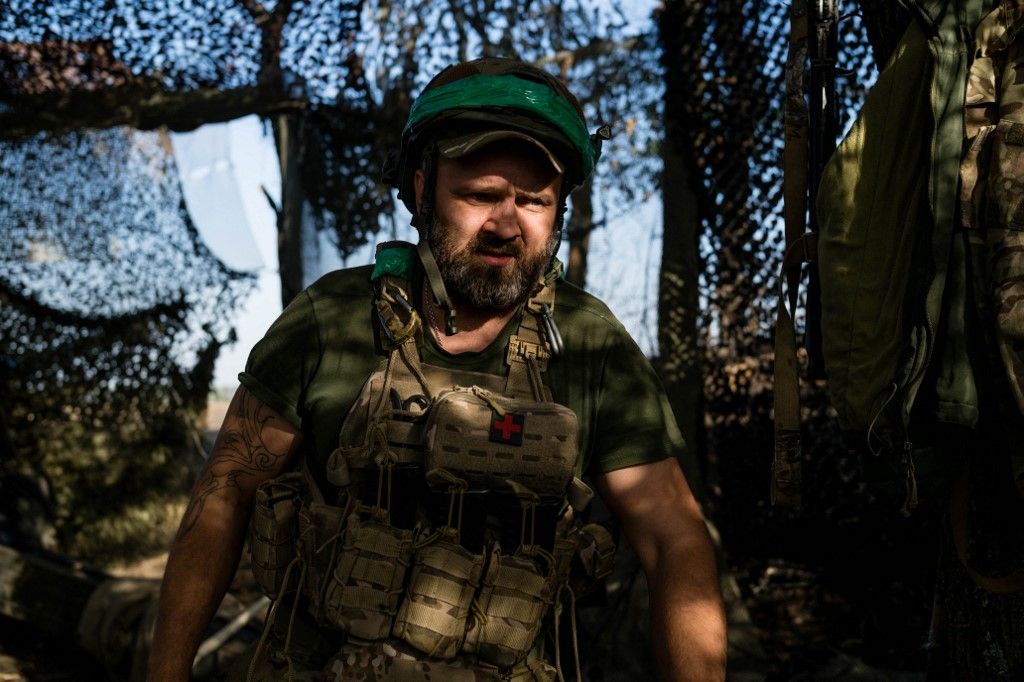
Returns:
<point x="892" y="265"/>
<point x="488" y="438"/>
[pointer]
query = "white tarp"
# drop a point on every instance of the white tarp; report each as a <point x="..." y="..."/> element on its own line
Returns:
<point x="212" y="195"/>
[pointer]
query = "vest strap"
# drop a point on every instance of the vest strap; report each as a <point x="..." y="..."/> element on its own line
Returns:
<point x="530" y="348"/>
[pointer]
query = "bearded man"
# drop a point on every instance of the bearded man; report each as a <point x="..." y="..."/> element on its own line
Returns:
<point x="413" y="443"/>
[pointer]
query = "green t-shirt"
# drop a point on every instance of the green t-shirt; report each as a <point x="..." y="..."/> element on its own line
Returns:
<point x="313" y="361"/>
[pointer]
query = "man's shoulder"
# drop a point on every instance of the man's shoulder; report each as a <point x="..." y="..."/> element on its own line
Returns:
<point x="340" y="285"/>
<point x="578" y="307"/>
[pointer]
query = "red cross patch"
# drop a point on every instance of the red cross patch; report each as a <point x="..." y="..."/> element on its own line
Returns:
<point x="507" y="428"/>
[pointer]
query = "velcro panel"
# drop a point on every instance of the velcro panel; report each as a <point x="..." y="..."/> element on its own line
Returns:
<point x="374" y="571"/>
<point x="441" y="588"/>
<point x="514" y="607"/>
<point x="431" y="618"/>
<point x="511" y="636"/>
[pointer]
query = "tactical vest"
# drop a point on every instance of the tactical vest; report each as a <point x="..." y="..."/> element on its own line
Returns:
<point x="455" y="530"/>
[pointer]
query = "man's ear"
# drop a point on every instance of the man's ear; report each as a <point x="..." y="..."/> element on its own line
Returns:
<point x="418" y="180"/>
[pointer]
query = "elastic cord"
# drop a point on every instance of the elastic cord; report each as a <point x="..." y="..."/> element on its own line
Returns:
<point x="272" y="616"/>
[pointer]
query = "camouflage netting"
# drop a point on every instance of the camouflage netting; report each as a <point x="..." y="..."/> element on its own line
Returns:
<point x="112" y="312"/>
<point x="346" y="68"/>
<point x="815" y="581"/>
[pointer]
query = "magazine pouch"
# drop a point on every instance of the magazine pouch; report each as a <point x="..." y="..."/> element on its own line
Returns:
<point x="272" y="531"/>
<point x="320" y="530"/>
<point x="515" y="595"/>
<point x="363" y="589"/>
<point x="442" y="583"/>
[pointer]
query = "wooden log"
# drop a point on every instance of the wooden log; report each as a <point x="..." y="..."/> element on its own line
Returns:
<point x="47" y="592"/>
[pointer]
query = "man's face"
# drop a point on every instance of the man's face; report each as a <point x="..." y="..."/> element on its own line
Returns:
<point x="493" y="232"/>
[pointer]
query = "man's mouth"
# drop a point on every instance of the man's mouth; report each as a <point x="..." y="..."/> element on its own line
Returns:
<point x="495" y="258"/>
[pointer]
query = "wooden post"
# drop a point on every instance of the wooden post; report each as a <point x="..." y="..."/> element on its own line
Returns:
<point x="288" y="129"/>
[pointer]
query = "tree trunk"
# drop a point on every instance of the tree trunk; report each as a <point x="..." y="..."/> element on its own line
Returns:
<point x="140" y="105"/>
<point x="581" y="224"/>
<point x="288" y="137"/>
<point x="679" y="356"/>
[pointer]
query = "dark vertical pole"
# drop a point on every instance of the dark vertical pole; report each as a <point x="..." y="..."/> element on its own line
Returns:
<point x="823" y="46"/>
<point x="680" y="361"/>
<point x="581" y="224"/>
<point x="288" y="134"/>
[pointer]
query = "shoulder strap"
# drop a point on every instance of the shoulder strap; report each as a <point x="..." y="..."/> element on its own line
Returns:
<point x="785" y="490"/>
<point x="786" y="470"/>
<point x="533" y="345"/>
<point x="401" y="325"/>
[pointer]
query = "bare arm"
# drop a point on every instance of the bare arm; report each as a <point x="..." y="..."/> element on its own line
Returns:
<point x="665" y="527"/>
<point x="254" y="445"/>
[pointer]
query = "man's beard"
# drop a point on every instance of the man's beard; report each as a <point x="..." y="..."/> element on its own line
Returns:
<point x="472" y="282"/>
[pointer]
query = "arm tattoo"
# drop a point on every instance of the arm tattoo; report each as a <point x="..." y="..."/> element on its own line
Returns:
<point x="240" y="451"/>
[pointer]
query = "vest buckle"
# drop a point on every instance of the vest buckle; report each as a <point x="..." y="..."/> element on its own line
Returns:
<point x="521" y="350"/>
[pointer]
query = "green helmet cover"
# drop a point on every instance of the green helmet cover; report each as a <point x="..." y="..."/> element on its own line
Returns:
<point x="487" y="91"/>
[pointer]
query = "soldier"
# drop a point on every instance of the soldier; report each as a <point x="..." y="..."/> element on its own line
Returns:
<point x="410" y="439"/>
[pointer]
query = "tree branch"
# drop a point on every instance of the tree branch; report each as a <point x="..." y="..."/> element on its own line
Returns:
<point x="256" y="10"/>
<point x="142" y="105"/>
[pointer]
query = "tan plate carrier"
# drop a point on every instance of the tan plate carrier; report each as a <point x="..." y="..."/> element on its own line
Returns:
<point x="418" y="590"/>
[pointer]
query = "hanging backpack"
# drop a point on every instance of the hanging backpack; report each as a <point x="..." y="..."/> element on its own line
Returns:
<point x="891" y="272"/>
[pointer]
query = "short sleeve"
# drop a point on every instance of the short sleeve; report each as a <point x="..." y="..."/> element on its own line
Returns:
<point x="634" y="423"/>
<point x="281" y="365"/>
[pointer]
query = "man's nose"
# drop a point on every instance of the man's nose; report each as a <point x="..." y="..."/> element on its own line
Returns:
<point x="504" y="220"/>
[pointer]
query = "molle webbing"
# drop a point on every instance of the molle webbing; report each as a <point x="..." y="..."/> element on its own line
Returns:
<point x="529" y="349"/>
<point x="365" y="587"/>
<point x="444" y="580"/>
<point x="273" y="529"/>
<point x="513" y="599"/>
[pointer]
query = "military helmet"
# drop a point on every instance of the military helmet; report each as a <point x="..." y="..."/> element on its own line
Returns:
<point x="468" y="102"/>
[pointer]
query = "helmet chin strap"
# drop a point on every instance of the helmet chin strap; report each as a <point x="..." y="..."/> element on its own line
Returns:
<point x="437" y="286"/>
<point x="423" y="221"/>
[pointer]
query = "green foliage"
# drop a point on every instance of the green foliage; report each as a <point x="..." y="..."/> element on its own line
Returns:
<point x="112" y="491"/>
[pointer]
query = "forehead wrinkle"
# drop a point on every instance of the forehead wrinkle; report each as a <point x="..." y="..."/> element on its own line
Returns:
<point x="517" y="182"/>
<point x="523" y="168"/>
